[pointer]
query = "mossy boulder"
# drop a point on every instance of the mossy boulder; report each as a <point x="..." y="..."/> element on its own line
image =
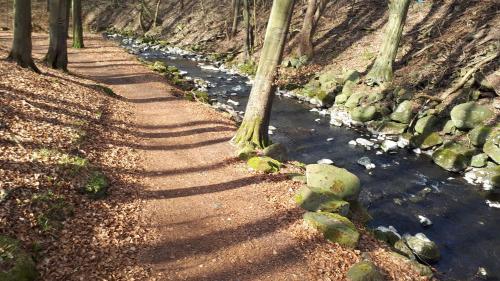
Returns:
<point x="470" y="114"/>
<point x="364" y="271"/>
<point x="426" y="124"/>
<point x="453" y="156"/>
<point x="341" y="98"/>
<point x="388" y="127"/>
<point x="15" y="264"/>
<point x="354" y="100"/>
<point x="421" y="269"/>
<point x="479" y="135"/>
<point x="479" y="160"/>
<point x="335" y="228"/>
<point x="492" y="147"/>
<point x="449" y="128"/>
<point x="246" y="152"/>
<point x="264" y="164"/>
<point x="338" y="181"/>
<point x="403" y="112"/>
<point x="159" y="66"/>
<point x="276" y="151"/>
<point x="314" y="199"/>
<point x="351" y="76"/>
<point x="387" y="235"/>
<point x="426" y="141"/>
<point x="363" y="113"/>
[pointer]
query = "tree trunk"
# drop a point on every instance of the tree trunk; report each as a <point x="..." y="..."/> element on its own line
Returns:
<point x="304" y="38"/>
<point x="156" y="13"/>
<point x="248" y="30"/>
<point x="77" y="24"/>
<point x="381" y="71"/>
<point x="255" y="125"/>
<point x="236" y="10"/>
<point x="21" y="46"/>
<point x="57" y="55"/>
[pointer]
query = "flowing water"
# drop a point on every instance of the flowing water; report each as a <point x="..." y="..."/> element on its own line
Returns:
<point x="465" y="228"/>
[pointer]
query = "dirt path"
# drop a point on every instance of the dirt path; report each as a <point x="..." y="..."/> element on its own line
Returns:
<point x="208" y="213"/>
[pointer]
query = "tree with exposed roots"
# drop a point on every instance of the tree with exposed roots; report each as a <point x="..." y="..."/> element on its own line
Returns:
<point x="77" y="24"/>
<point x="381" y="71"/>
<point x="57" y="55"/>
<point x="255" y="125"/>
<point x="304" y="38"/>
<point x="22" y="46"/>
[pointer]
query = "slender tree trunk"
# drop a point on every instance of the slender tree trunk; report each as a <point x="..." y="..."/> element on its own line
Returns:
<point x="57" y="55"/>
<point x="304" y="38"/>
<point x="236" y="10"/>
<point x="156" y="13"/>
<point x="21" y="46"/>
<point x="381" y="70"/>
<point x="77" y="24"/>
<point x="255" y="125"/>
<point x="248" y="29"/>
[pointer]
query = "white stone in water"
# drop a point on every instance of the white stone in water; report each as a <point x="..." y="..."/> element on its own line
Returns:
<point x="379" y="152"/>
<point x="323" y="112"/>
<point x="352" y="142"/>
<point x="314" y="109"/>
<point x="233" y="94"/>
<point x="317" y="120"/>
<point x="493" y="204"/>
<point x="182" y="72"/>
<point x="325" y="161"/>
<point x="390" y="228"/>
<point x="366" y="162"/>
<point x="336" y="123"/>
<point x="389" y="145"/>
<point x="272" y="128"/>
<point x="364" y="142"/>
<point x="402" y="142"/>
<point x="417" y="151"/>
<point x="237" y="88"/>
<point x="235" y="103"/>
<point x="329" y="139"/>
<point x="270" y="132"/>
<point x="424" y="221"/>
<point x="482" y="271"/>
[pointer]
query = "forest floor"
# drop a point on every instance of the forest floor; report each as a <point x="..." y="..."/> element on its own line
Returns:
<point x="201" y="214"/>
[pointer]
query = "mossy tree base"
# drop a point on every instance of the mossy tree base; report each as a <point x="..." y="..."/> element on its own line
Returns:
<point x="254" y="132"/>
<point x="380" y="74"/>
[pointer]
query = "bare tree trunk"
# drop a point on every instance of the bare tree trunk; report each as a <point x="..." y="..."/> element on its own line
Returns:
<point x="236" y="10"/>
<point x="381" y="70"/>
<point x="248" y="29"/>
<point x="77" y="25"/>
<point x="304" y="38"/>
<point x="57" y="55"/>
<point x="255" y="125"/>
<point x="22" y="46"/>
<point x="156" y="13"/>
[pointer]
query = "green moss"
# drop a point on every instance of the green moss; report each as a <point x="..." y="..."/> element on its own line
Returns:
<point x="198" y="96"/>
<point x="107" y="91"/>
<point x="97" y="185"/>
<point x="264" y="164"/>
<point x="15" y="264"/>
<point x="248" y="67"/>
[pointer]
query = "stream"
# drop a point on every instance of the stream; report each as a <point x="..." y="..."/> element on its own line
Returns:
<point x="401" y="187"/>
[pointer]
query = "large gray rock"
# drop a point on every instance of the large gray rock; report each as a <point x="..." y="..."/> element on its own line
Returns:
<point x="335" y="228"/>
<point x="426" y="124"/>
<point x="469" y="115"/>
<point x="354" y="100"/>
<point x="276" y="151"/>
<point x="363" y="113"/>
<point x="425" y="249"/>
<point x="338" y="181"/>
<point x="403" y="112"/>
<point x="364" y="271"/>
<point x="388" y="127"/>
<point x="479" y="160"/>
<point x="313" y="199"/>
<point x="479" y="135"/>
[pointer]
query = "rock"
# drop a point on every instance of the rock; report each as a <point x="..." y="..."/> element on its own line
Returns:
<point x="324" y="161"/>
<point x="335" y="228"/>
<point x="424" y="221"/>
<point x="387" y="234"/>
<point x="364" y="142"/>
<point x="366" y="162"/>
<point x="423" y="270"/>
<point x="401" y="247"/>
<point x="452" y="156"/>
<point x="342" y="183"/>
<point x="159" y="66"/>
<point x="492" y="147"/>
<point x="3" y="194"/>
<point x="313" y="199"/>
<point x="22" y="265"/>
<point x="364" y="271"/>
<point x="341" y="98"/>
<point x="403" y="112"/>
<point x="352" y="76"/>
<point x="298" y="178"/>
<point x="479" y="134"/>
<point x="276" y="151"/>
<point x="354" y="99"/>
<point x="264" y="164"/>
<point x="426" y="124"/>
<point x="388" y="127"/>
<point x="363" y="113"/>
<point x="427" y="141"/>
<point x="423" y="248"/>
<point x="389" y="145"/>
<point x="469" y="115"/>
<point x="479" y="160"/>
<point x="449" y="128"/>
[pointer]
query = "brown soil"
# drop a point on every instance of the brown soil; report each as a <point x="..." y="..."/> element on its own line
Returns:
<point x="206" y="217"/>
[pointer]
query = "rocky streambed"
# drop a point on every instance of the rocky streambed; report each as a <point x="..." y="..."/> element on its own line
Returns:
<point x="407" y="194"/>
